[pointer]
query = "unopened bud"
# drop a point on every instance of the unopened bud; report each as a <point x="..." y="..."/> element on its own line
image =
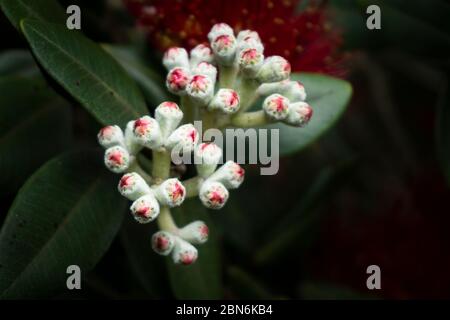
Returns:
<point x="117" y="159"/>
<point x="170" y="193"/>
<point x="177" y="80"/>
<point x="219" y="29"/>
<point x="276" y="106"/>
<point x="299" y="114"/>
<point x="147" y="132"/>
<point x="184" y="137"/>
<point x="163" y="242"/>
<point x="213" y="194"/>
<point x="230" y="174"/>
<point x="201" y="53"/>
<point x="224" y="48"/>
<point x="168" y="115"/>
<point x="133" y="186"/>
<point x="110" y="136"/>
<point x="195" y="232"/>
<point x="226" y="101"/>
<point x="184" y="252"/>
<point x="175" y="57"/>
<point x="250" y="61"/>
<point x="145" y="209"/>
<point x="200" y="89"/>
<point x="207" y="156"/>
<point x="274" y="68"/>
<point x="206" y="69"/>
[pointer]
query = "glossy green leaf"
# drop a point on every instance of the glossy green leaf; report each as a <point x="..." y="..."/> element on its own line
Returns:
<point x="86" y="71"/>
<point x="203" y="279"/>
<point x="67" y="213"/>
<point x="328" y="97"/>
<point x="18" y="62"/>
<point x="34" y="126"/>
<point x="44" y="10"/>
<point x="150" y="82"/>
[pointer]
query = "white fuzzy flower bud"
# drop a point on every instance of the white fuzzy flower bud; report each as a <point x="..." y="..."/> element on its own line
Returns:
<point x="147" y="132"/>
<point x="230" y="174"/>
<point x="299" y="114"/>
<point x="201" y="53"/>
<point x="249" y="39"/>
<point x="117" y="159"/>
<point x="111" y="136"/>
<point x="218" y="30"/>
<point x="175" y="57"/>
<point x="168" y="115"/>
<point x="170" y="193"/>
<point x="184" y="137"/>
<point x="163" y="242"/>
<point x="225" y="100"/>
<point x="250" y="61"/>
<point x="207" y="156"/>
<point x="184" y="252"/>
<point x="274" y="68"/>
<point x="195" y="232"/>
<point x="293" y="90"/>
<point x="177" y="80"/>
<point x="200" y="89"/>
<point x="206" y="69"/>
<point x="276" y="106"/>
<point x="248" y="34"/>
<point x="133" y="186"/>
<point x="145" y="209"/>
<point x="224" y="48"/>
<point x="213" y="194"/>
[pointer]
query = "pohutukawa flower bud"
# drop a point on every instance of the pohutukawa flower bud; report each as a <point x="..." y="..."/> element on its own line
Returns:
<point x="293" y="90"/>
<point x="296" y="91"/>
<point x="248" y="34"/>
<point x="201" y="53"/>
<point x="225" y="100"/>
<point x="195" y="232"/>
<point x="163" y="242"/>
<point x="170" y="193"/>
<point x="117" y="159"/>
<point x="147" y="132"/>
<point x="110" y="136"/>
<point x="200" y="89"/>
<point x="132" y="145"/>
<point x="213" y="194"/>
<point x="145" y="209"/>
<point x="224" y="48"/>
<point x="230" y="174"/>
<point x="175" y="57"/>
<point x="274" y="68"/>
<point x="250" y="61"/>
<point x="177" y="80"/>
<point x="184" y="252"/>
<point x="206" y="69"/>
<point x="168" y="115"/>
<point x="207" y="156"/>
<point x="276" y="106"/>
<point x="185" y="137"/>
<point x="299" y="114"/>
<point x="219" y="29"/>
<point x="132" y="186"/>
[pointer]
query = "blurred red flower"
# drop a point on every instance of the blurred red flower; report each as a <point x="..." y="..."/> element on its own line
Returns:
<point x="306" y="37"/>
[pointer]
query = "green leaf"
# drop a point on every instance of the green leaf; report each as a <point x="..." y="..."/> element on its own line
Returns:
<point x="150" y="82"/>
<point x="18" y="62"/>
<point x="203" y="279"/>
<point x="44" y="10"/>
<point x="67" y="213"/>
<point x="148" y="267"/>
<point x="328" y="97"/>
<point x="34" y="127"/>
<point x="86" y="71"/>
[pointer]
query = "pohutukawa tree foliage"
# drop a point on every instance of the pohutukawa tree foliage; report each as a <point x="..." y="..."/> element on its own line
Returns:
<point x="216" y="84"/>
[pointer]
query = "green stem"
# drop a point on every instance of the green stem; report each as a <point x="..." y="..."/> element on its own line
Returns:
<point x="135" y="167"/>
<point x="165" y="221"/>
<point x="161" y="165"/>
<point x="192" y="186"/>
<point x="250" y="119"/>
<point x="247" y="91"/>
<point x="227" y="76"/>
<point x="208" y="120"/>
